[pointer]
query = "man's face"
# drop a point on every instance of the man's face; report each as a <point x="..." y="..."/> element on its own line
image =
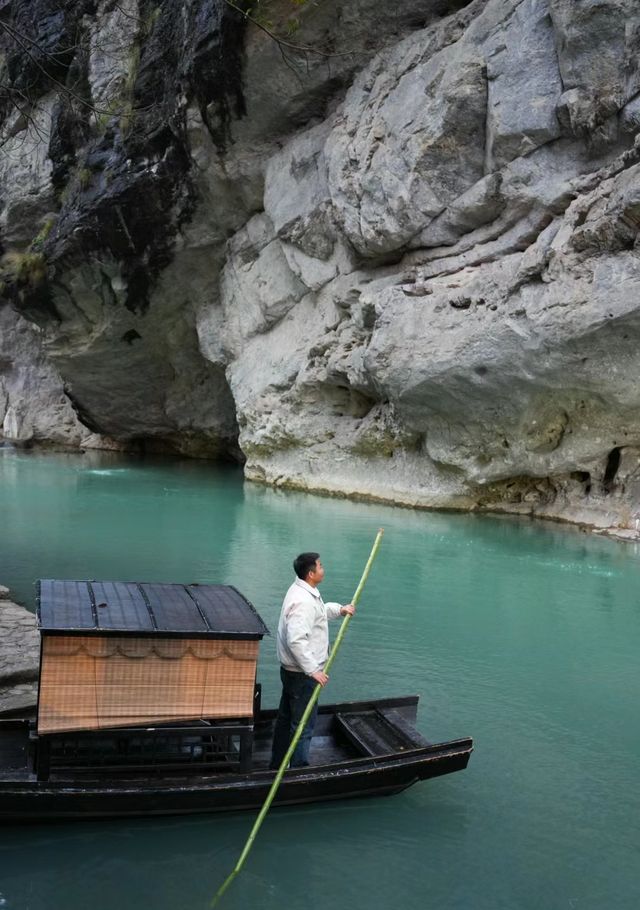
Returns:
<point x="316" y="574"/>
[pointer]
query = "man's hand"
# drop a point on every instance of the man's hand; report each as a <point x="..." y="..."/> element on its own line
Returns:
<point x="347" y="610"/>
<point x="320" y="677"/>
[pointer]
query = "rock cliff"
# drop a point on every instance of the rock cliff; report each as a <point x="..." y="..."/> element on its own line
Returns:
<point x="394" y="254"/>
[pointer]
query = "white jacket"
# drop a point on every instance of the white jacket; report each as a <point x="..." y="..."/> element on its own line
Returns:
<point x="303" y="631"/>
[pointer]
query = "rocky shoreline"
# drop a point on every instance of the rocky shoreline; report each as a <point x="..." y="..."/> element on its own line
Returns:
<point x="19" y="656"/>
<point x="597" y="518"/>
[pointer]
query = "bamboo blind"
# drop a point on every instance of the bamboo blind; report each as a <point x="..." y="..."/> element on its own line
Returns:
<point x="93" y="683"/>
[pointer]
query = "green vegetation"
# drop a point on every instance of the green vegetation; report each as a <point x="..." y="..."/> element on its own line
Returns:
<point x="126" y="117"/>
<point x="132" y="70"/>
<point x="24" y="269"/>
<point x="84" y="177"/>
<point x="148" y="23"/>
<point x="127" y="111"/>
<point x="66" y="192"/>
<point x="264" y="14"/>
<point x="122" y="106"/>
<point x="38" y="241"/>
<point x="107" y="112"/>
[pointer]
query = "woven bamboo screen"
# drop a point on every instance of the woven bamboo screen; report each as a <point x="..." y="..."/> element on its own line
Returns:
<point x="93" y="683"/>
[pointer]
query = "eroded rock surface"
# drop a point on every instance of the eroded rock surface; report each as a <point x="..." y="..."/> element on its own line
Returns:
<point x="404" y="267"/>
<point x="19" y="655"/>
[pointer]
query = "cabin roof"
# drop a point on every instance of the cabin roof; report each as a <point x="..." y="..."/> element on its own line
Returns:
<point x="135" y="608"/>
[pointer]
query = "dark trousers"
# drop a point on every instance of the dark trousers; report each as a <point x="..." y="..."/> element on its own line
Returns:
<point x="297" y="689"/>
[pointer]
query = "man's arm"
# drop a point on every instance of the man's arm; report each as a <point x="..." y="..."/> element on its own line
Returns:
<point x="335" y="611"/>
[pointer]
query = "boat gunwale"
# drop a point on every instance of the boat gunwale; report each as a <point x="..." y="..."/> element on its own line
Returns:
<point x="420" y="755"/>
<point x="346" y="768"/>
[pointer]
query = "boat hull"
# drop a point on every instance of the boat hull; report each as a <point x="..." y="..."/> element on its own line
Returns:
<point x="30" y="800"/>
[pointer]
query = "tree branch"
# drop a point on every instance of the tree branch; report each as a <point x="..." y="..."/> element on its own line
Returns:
<point x="282" y="42"/>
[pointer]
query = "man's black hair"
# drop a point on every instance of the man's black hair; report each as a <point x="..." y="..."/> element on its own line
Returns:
<point x="304" y="563"/>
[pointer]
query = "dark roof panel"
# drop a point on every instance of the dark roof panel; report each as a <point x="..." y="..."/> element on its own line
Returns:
<point x="173" y="609"/>
<point x="65" y="602"/>
<point x="120" y="607"/>
<point x="223" y="607"/>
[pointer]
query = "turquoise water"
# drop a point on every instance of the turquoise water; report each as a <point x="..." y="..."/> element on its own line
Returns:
<point x="522" y="635"/>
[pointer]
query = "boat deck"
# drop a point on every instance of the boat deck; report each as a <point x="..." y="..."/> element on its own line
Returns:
<point x="339" y="736"/>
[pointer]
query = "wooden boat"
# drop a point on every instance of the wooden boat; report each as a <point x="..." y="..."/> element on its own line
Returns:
<point x="71" y="763"/>
<point x="358" y="749"/>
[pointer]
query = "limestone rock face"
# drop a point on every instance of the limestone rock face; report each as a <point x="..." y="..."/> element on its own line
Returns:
<point x="407" y="145"/>
<point x="33" y="406"/>
<point x="403" y="264"/>
<point x="19" y="656"/>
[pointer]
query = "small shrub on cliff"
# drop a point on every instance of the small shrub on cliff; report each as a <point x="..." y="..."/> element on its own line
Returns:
<point x="23" y="269"/>
<point x="148" y="23"/>
<point x="84" y="177"/>
<point x="24" y="282"/>
<point x="269" y="17"/>
<point x="38" y="241"/>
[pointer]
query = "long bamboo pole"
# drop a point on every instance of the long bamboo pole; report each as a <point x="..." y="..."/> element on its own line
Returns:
<point x="303" y="722"/>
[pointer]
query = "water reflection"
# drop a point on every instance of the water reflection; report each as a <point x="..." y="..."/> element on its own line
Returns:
<point x="68" y="517"/>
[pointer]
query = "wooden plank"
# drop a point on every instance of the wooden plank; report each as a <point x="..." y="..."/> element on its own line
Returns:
<point x="351" y="735"/>
<point x="399" y="721"/>
<point x="375" y="733"/>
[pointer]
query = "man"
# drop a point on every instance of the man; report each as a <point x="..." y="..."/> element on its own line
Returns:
<point x="303" y="648"/>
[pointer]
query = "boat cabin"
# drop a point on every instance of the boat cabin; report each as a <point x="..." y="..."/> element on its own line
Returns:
<point x="130" y="671"/>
